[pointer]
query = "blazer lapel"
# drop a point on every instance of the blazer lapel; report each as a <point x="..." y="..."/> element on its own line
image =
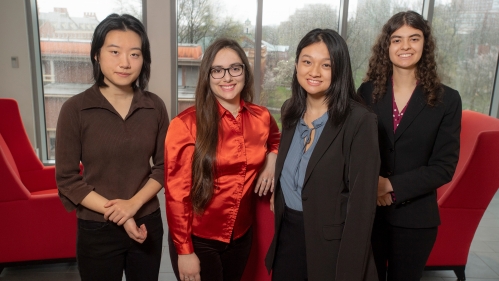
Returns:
<point x="384" y="110"/>
<point x="285" y="143"/>
<point x="416" y="104"/>
<point x="327" y="137"/>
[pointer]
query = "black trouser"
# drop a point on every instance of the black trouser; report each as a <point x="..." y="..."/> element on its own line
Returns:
<point x="401" y="253"/>
<point x="290" y="261"/>
<point x="104" y="250"/>
<point x="219" y="261"/>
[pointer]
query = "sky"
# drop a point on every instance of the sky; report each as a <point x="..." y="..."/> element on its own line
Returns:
<point x="274" y="11"/>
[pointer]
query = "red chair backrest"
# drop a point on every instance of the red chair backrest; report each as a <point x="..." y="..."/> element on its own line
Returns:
<point x="11" y="187"/>
<point x="477" y="174"/>
<point x="14" y="134"/>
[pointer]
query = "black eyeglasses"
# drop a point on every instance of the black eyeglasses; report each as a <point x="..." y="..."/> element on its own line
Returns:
<point x="234" y="71"/>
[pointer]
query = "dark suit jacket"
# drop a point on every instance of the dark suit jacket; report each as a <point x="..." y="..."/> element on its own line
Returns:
<point x="338" y="219"/>
<point x="420" y="157"/>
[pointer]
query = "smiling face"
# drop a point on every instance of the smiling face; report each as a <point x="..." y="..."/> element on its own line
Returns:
<point x="406" y="47"/>
<point x="228" y="89"/>
<point x="313" y="69"/>
<point x="120" y="59"/>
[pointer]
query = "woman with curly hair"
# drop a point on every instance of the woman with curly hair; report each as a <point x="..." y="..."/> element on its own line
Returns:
<point x="419" y="122"/>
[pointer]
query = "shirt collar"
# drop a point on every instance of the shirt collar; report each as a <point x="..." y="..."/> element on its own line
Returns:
<point x="242" y="107"/>
<point x="95" y="99"/>
<point x="317" y="123"/>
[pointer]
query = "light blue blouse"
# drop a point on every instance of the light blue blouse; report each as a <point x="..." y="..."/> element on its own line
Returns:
<point x="295" y="165"/>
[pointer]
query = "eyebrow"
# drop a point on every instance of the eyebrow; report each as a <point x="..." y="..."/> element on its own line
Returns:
<point x="234" y="64"/>
<point x="309" y="56"/>
<point x="413" y="35"/>
<point x="116" y="46"/>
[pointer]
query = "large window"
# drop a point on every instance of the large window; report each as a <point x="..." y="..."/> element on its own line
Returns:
<point x="467" y="34"/>
<point x="65" y="29"/>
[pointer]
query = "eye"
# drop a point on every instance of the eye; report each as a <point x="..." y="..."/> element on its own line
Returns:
<point x="307" y="62"/>
<point x="216" y="70"/>
<point x="236" y="68"/>
<point x="415" y="39"/>
<point x="326" y="65"/>
<point x="136" y="55"/>
<point x="114" y="52"/>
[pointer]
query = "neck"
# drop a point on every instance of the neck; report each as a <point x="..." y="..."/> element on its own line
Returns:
<point x="404" y="77"/>
<point x="316" y="105"/>
<point x="232" y="106"/>
<point x="116" y="92"/>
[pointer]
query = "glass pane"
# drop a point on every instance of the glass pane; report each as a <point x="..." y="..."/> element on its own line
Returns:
<point x="467" y="34"/>
<point x="281" y="33"/>
<point x="365" y="20"/>
<point x="66" y="28"/>
<point x="199" y="23"/>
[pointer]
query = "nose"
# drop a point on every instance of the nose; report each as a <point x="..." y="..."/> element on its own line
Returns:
<point x="227" y="77"/>
<point x="125" y="62"/>
<point x="405" y="44"/>
<point x="315" y="71"/>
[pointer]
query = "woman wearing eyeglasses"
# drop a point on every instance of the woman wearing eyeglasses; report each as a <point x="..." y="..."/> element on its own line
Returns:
<point x="218" y="153"/>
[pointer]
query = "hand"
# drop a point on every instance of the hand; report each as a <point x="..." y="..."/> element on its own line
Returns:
<point x="272" y="202"/>
<point x="119" y="211"/>
<point x="265" y="180"/>
<point x="384" y="200"/>
<point x="189" y="267"/>
<point x="134" y="232"/>
<point x="384" y="186"/>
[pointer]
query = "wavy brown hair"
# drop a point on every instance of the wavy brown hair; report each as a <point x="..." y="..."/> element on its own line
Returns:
<point x="208" y="121"/>
<point x="381" y="68"/>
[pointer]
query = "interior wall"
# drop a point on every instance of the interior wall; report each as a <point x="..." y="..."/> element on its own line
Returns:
<point x="16" y="82"/>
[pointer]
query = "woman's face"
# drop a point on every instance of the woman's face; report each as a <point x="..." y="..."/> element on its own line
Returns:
<point x="120" y="58"/>
<point x="227" y="89"/>
<point x="313" y="69"/>
<point x="406" y="47"/>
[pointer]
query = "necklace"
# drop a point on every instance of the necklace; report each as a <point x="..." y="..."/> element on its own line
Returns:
<point x="235" y="111"/>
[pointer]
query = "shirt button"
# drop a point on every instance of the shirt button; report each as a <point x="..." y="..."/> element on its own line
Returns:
<point x="304" y="198"/>
<point x="389" y="173"/>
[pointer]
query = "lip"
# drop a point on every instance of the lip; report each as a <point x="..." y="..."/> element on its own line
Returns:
<point x="228" y="88"/>
<point x="123" y="74"/>
<point x="313" y="82"/>
<point x="405" y="55"/>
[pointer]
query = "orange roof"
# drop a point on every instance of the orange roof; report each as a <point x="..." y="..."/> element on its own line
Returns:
<point x="65" y="48"/>
<point x="190" y="52"/>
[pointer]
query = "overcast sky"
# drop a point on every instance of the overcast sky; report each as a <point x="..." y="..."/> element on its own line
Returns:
<point x="274" y="11"/>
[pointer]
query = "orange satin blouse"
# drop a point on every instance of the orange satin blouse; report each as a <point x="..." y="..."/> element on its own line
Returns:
<point x="241" y="153"/>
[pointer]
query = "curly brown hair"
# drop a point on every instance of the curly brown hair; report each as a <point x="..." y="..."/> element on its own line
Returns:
<point x="381" y="68"/>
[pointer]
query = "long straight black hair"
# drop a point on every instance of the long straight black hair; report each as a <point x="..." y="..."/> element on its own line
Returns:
<point x="342" y="88"/>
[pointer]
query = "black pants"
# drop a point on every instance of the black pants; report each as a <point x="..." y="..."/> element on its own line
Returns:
<point x="104" y="250"/>
<point x="290" y="261"/>
<point x="219" y="261"/>
<point x="401" y="253"/>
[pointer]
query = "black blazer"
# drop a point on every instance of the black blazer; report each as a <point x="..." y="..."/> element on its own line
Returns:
<point x="338" y="217"/>
<point x="420" y="157"/>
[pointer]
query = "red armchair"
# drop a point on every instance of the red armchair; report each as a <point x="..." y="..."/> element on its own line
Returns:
<point x="263" y="232"/>
<point x="35" y="225"/>
<point x="463" y="201"/>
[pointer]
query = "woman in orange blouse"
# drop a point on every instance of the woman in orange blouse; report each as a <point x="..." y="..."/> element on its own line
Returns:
<point x="214" y="152"/>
